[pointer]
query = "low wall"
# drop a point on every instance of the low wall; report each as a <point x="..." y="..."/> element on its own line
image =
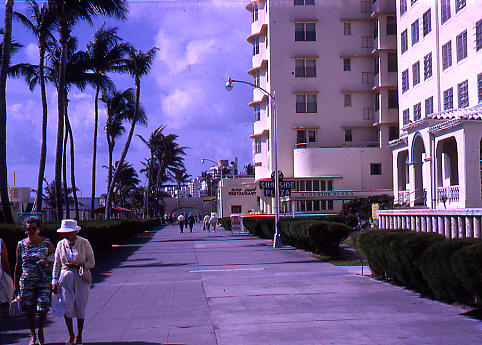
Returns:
<point x="454" y="223"/>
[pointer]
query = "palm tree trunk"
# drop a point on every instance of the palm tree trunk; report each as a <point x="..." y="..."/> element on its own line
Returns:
<point x="64" y="33"/>
<point x="124" y="151"/>
<point x="7" y="38"/>
<point x="94" y="153"/>
<point x="43" y="149"/>
<point x="72" y="165"/>
<point x="64" y="177"/>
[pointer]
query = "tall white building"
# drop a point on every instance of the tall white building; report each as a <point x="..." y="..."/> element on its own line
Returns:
<point x="437" y="160"/>
<point x="332" y="68"/>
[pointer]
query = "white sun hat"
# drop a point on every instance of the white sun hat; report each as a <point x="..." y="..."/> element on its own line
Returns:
<point x="68" y="225"/>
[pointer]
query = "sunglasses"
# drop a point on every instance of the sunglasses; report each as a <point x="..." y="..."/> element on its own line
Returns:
<point x="31" y="229"/>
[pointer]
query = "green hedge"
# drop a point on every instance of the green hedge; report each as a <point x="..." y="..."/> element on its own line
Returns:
<point x="101" y="234"/>
<point x="225" y="223"/>
<point x="306" y="233"/>
<point x="444" y="269"/>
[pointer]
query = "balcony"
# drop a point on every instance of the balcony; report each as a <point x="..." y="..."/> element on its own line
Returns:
<point x="337" y="145"/>
<point x="448" y="195"/>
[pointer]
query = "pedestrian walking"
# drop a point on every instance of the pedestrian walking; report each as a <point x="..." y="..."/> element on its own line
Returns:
<point x="180" y="221"/>
<point x="32" y="276"/>
<point x="71" y="280"/>
<point x="206" y="222"/>
<point x="213" y="220"/>
<point x="6" y="288"/>
<point x="190" y="221"/>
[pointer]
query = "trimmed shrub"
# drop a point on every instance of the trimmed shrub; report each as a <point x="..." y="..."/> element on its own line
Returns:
<point x="101" y="234"/>
<point x="225" y="223"/>
<point x="435" y="265"/>
<point x="466" y="264"/>
<point x="325" y="237"/>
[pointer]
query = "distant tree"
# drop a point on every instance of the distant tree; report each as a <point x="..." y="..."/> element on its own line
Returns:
<point x="362" y="207"/>
<point x="249" y="169"/>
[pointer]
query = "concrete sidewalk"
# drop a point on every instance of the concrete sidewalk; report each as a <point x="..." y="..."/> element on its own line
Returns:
<point x="223" y="288"/>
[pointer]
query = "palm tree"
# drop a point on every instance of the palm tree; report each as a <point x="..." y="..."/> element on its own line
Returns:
<point x="7" y="40"/>
<point x="40" y="23"/>
<point x="181" y="177"/>
<point x="50" y="197"/>
<point x="68" y="12"/>
<point x="165" y="156"/>
<point x="126" y="182"/>
<point x="105" y="54"/>
<point x="249" y="169"/>
<point x="137" y="64"/>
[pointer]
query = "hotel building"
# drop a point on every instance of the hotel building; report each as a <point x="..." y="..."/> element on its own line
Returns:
<point x="437" y="159"/>
<point x="332" y="67"/>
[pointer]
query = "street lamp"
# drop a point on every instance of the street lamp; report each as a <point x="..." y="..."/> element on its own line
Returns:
<point x="222" y="175"/>
<point x="229" y="86"/>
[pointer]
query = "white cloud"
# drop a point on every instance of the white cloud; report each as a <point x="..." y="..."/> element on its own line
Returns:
<point x="181" y="107"/>
<point x="31" y="51"/>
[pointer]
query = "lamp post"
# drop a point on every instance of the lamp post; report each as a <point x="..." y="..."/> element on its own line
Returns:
<point x="229" y="86"/>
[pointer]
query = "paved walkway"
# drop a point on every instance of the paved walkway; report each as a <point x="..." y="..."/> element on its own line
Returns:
<point x="220" y="288"/>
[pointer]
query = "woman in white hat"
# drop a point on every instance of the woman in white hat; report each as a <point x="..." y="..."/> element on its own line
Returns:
<point x="71" y="277"/>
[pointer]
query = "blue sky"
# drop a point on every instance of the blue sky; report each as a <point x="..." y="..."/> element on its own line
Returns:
<point x="201" y="43"/>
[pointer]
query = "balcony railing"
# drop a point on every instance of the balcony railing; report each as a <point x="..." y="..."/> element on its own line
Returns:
<point x="337" y="145"/>
<point x="449" y="194"/>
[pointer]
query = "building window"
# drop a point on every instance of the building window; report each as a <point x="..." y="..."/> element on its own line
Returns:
<point x="447" y="55"/>
<point x="375" y="29"/>
<point x="449" y="99"/>
<point x="305" y="32"/>
<point x="330" y="205"/>
<point x="256" y="46"/>
<point x="257" y="145"/>
<point x="257" y="112"/>
<point x="404" y="41"/>
<point x="375" y="169"/>
<point x="347" y="29"/>
<point x="257" y="78"/>
<point x="416" y="73"/>
<point x="479" y="87"/>
<point x="376" y="65"/>
<point x="427" y="22"/>
<point x="301" y="138"/>
<point x="367" y="78"/>
<point x="403" y="7"/>
<point x="445" y="10"/>
<point x="392" y="99"/>
<point x="427" y="66"/>
<point x="377" y="101"/>
<point x="391" y="25"/>
<point x="306" y="104"/>
<point x="417" y="111"/>
<point x="347" y="100"/>
<point x="415" y="32"/>
<point x="462" y="46"/>
<point x="478" y="35"/>
<point x="406" y="116"/>
<point x="392" y="62"/>
<point x="235" y="209"/>
<point x="312" y="136"/>
<point x="366" y="42"/>
<point x="366" y="7"/>
<point x="255" y="13"/>
<point x="429" y="106"/>
<point x="348" y="136"/>
<point x="405" y="82"/>
<point x="368" y="113"/>
<point x="305" y="68"/>
<point x="304" y="2"/>
<point x="346" y="64"/>
<point x="463" y="93"/>
<point x="392" y="133"/>
<point x="459" y="4"/>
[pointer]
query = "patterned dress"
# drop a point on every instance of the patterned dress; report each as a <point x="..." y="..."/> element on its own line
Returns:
<point x="35" y="281"/>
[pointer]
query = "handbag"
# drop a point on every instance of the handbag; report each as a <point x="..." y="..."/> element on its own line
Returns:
<point x="58" y="306"/>
<point x="6" y="288"/>
<point x="15" y="308"/>
<point x="85" y="274"/>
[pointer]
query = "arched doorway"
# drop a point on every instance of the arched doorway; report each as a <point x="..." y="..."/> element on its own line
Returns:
<point x="418" y="156"/>
<point x="447" y="171"/>
<point x="403" y="177"/>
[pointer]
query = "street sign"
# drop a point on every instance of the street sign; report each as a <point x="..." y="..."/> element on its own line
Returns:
<point x="282" y="184"/>
<point x="282" y="192"/>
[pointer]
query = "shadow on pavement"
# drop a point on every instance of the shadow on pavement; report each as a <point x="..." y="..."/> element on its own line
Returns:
<point x="118" y="342"/>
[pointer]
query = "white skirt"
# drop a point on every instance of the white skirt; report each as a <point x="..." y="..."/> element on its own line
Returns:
<point x="74" y="293"/>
